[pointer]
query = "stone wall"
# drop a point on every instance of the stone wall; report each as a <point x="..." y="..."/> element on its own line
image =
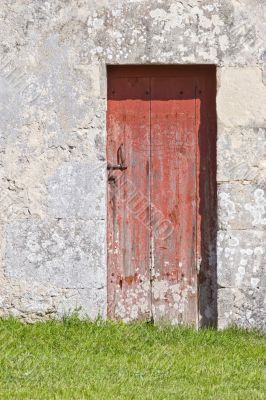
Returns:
<point x="53" y="57"/>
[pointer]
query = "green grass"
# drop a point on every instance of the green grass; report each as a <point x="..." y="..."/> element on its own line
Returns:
<point x="106" y="360"/>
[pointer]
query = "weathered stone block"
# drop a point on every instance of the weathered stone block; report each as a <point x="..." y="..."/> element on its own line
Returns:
<point x="241" y="206"/>
<point x="81" y="138"/>
<point x="241" y="97"/>
<point x="63" y="254"/>
<point x="88" y="303"/>
<point x="243" y="307"/>
<point x="241" y="154"/>
<point x="78" y="190"/>
<point x="241" y="259"/>
<point x="35" y="301"/>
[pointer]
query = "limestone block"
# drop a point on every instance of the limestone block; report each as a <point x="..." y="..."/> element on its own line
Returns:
<point x="241" y="206"/>
<point x="78" y="190"/>
<point x="86" y="129"/>
<point x="241" y="97"/>
<point x="87" y="303"/>
<point x="33" y="301"/>
<point x="241" y="154"/>
<point x="225" y="307"/>
<point x="241" y="259"/>
<point x="63" y="253"/>
<point x="243" y="307"/>
<point x="28" y="300"/>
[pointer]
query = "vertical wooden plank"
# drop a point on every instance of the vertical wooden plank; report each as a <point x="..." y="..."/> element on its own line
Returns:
<point x="174" y="195"/>
<point x="128" y="125"/>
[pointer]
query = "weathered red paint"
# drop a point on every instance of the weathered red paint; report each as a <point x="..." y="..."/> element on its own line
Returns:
<point x="174" y="191"/>
<point x="128" y="239"/>
<point x="154" y="222"/>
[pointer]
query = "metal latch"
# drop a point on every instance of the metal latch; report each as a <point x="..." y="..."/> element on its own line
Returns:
<point x="120" y="160"/>
<point x="121" y="167"/>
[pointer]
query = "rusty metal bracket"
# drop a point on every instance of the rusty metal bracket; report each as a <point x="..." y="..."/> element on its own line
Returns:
<point x="120" y="167"/>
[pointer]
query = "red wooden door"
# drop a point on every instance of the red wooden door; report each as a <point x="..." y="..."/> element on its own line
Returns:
<point x="154" y="222"/>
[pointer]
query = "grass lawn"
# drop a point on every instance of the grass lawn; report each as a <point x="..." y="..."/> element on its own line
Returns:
<point x="84" y="360"/>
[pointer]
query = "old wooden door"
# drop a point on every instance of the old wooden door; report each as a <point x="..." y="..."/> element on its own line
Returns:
<point x="154" y="223"/>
